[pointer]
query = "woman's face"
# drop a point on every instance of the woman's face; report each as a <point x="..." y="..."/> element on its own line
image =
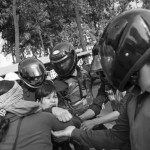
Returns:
<point x="144" y="78"/>
<point x="49" y="101"/>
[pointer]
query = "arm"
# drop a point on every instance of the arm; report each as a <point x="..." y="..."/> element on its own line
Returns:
<point x="116" y="137"/>
<point x="112" y="138"/>
<point x="108" y="117"/>
<point x="90" y="124"/>
<point x="94" y="109"/>
<point x="86" y="115"/>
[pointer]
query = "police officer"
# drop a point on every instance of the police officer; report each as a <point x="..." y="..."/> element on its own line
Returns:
<point x="76" y="96"/>
<point x="125" y="57"/>
<point x="32" y="73"/>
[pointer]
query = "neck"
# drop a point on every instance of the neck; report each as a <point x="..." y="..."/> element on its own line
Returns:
<point x="75" y="72"/>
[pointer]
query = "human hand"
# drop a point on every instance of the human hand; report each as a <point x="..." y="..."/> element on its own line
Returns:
<point x="66" y="132"/>
<point x="62" y="114"/>
<point x="111" y="95"/>
<point x="87" y="125"/>
<point x="61" y="139"/>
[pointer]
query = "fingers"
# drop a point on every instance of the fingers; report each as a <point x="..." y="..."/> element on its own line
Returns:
<point x="64" y="116"/>
<point x="57" y="133"/>
<point x="87" y="125"/>
<point x="84" y="126"/>
<point x="66" y="132"/>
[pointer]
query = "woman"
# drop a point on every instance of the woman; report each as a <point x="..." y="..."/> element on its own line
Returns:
<point x="23" y="126"/>
<point x="47" y="97"/>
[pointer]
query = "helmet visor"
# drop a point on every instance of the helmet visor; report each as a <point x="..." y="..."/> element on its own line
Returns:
<point x="64" y="67"/>
<point x="33" y="74"/>
<point x="35" y="81"/>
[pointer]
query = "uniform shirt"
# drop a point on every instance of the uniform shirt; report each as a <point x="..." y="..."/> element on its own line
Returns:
<point x="77" y="97"/>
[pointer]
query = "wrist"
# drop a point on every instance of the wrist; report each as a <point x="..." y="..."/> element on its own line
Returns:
<point x="73" y="128"/>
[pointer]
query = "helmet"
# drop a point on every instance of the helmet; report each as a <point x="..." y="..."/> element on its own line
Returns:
<point x="63" y="59"/>
<point x="125" y="47"/>
<point x="32" y="72"/>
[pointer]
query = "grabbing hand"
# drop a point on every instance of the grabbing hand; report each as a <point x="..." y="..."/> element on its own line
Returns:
<point x="66" y="132"/>
<point x="87" y="125"/>
<point x="61" y="114"/>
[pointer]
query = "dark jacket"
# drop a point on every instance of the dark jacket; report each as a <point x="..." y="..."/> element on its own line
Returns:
<point x="35" y="131"/>
<point x="132" y="127"/>
<point x="77" y="88"/>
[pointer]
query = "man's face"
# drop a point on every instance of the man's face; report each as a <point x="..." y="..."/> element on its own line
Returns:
<point x="144" y="78"/>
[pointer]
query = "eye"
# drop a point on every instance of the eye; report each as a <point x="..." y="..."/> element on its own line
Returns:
<point x="55" y="96"/>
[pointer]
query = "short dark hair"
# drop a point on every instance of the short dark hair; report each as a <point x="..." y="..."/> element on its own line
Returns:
<point x="44" y="90"/>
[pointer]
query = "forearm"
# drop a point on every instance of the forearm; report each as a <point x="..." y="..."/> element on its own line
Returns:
<point x="107" y="118"/>
<point x="97" y="138"/>
<point x="112" y="138"/>
<point x="87" y="115"/>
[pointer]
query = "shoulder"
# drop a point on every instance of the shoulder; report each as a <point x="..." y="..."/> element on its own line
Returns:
<point x="60" y="85"/>
<point x="40" y="117"/>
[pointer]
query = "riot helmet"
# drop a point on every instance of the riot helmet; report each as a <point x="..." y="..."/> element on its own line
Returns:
<point x="63" y="59"/>
<point x="32" y="71"/>
<point x="125" y="47"/>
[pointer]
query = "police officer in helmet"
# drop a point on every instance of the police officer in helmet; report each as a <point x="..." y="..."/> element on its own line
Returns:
<point x="77" y="95"/>
<point x="32" y="73"/>
<point x="125" y="58"/>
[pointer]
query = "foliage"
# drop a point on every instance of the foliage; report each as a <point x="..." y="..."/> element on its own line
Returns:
<point x="43" y="23"/>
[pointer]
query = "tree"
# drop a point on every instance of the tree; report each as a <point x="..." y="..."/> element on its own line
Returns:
<point x="16" y="25"/>
<point x="78" y="21"/>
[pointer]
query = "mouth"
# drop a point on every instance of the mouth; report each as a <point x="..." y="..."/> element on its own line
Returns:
<point x="53" y="104"/>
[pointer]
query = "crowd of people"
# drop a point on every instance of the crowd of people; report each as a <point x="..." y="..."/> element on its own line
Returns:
<point x="63" y="114"/>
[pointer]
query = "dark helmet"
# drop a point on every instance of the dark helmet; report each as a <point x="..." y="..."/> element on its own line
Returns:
<point x="63" y="59"/>
<point x="125" y="47"/>
<point x="32" y="71"/>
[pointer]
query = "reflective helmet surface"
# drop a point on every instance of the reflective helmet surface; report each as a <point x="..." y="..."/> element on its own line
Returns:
<point x="63" y="59"/>
<point x="32" y="71"/>
<point x="125" y="47"/>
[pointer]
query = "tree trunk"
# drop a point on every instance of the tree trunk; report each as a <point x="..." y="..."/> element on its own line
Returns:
<point x="41" y="43"/>
<point x="78" y="21"/>
<point x="16" y="25"/>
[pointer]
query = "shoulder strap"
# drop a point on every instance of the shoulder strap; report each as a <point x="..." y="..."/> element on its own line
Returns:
<point x="17" y="133"/>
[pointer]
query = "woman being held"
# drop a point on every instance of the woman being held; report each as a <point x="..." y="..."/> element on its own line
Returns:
<point x="47" y="97"/>
<point x="23" y="126"/>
